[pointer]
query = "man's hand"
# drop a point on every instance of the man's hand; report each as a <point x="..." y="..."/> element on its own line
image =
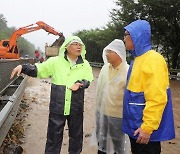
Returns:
<point x="76" y="86"/>
<point x="143" y="137"/>
<point x="17" y="70"/>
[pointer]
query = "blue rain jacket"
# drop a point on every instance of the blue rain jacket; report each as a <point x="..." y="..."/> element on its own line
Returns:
<point x="147" y="99"/>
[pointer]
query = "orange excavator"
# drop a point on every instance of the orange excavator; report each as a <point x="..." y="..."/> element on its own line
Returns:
<point x="9" y="48"/>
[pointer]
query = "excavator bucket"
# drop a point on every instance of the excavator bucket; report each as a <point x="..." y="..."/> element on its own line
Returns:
<point x="58" y="41"/>
<point x="53" y="50"/>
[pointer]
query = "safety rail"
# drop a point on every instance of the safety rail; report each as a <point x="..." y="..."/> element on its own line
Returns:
<point x="11" y="92"/>
<point x="9" y="104"/>
<point x="94" y="64"/>
<point x="173" y="73"/>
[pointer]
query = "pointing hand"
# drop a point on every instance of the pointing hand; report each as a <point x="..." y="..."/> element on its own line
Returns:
<point x="17" y="70"/>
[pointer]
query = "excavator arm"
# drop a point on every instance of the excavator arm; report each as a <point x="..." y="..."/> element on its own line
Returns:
<point x="31" y="28"/>
<point x="9" y="49"/>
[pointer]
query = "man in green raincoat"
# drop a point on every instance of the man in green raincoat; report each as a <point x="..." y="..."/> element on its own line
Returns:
<point x="70" y="74"/>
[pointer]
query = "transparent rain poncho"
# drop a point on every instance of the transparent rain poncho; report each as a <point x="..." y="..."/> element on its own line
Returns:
<point x="108" y="133"/>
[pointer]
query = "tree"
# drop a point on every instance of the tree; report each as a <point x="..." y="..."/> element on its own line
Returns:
<point x="164" y="17"/>
<point x="25" y="47"/>
<point x="96" y="39"/>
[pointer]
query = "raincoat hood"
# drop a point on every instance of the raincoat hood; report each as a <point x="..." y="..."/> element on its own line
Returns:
<point x="69" y="40"/>
<point x="140" y="32"/>
<point x="116" y="46"/>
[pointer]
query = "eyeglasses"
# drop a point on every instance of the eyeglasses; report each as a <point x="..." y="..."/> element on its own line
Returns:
<point x="76" y="44"/>
<point x="126" y="34"/>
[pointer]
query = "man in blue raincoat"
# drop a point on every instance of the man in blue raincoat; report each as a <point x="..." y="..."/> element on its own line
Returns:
<point x="147" y="107"/>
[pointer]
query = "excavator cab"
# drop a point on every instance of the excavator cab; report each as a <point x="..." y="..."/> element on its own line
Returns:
<point x="5" y="43"/>
<point x="7" y="51"/>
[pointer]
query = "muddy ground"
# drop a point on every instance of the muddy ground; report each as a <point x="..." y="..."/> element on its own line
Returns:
<point x="35" y="118"/>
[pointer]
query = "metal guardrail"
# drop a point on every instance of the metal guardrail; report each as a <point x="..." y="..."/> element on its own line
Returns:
<point x="171" y="71"/>
<point x="10" y="103"/>
<point x="94" y="64"/>
<point x="176" y="77"/>
<point x="174" y="74"/>
<point x="11" y="92"/>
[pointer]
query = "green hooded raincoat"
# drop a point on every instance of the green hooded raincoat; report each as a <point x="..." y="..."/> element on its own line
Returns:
<point x="64" y="74"/>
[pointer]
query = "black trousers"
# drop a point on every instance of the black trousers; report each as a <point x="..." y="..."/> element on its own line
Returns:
<point x="55" y="133"/>
<point x="150" y="148"/>
<point x="100" y="152"/>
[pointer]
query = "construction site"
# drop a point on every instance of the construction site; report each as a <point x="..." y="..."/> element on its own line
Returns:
<point x="24" y="101"/>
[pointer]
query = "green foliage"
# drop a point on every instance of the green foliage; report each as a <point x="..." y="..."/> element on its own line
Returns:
<point x="164" y="17"/>
<point x="3" y="27"/>
<point x="96" y="39"/>
<point x="89" y="38"/>
<point x="25" y="47"/>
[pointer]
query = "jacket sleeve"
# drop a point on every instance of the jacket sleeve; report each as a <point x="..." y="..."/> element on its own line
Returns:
<point x="29" y="69"/>
<point x="85" y="83"/>
<point x="88" y="75"/>
<point x="155" y="83"/>
<point x="45" y="69"/>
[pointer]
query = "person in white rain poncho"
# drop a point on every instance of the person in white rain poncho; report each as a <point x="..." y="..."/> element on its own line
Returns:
<point x="109" y="100"/>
